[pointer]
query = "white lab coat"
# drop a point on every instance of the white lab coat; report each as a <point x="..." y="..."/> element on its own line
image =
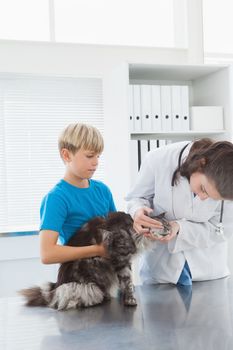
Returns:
<point x="197" y="241"/>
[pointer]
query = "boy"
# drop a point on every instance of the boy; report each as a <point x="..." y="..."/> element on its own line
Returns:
<point x="76" y="198"/>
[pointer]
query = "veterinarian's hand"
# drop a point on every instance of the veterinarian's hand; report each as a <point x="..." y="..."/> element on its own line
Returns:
<point x="142" y="222"/>
<point x="173" y="233"/>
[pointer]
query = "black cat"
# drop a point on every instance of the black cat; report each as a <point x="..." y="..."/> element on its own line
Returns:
<point x="87" y="282"/>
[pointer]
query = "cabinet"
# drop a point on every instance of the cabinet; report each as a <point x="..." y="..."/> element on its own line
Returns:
<point x="209" y="85"/>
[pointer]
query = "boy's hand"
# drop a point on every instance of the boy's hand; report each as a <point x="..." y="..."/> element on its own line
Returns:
<point x="102" y="251"/>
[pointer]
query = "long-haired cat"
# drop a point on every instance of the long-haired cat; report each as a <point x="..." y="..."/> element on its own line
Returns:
<point x="87" y="282"/>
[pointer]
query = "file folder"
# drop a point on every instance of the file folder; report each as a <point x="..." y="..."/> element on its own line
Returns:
<point x="166" y="108"/>
<point x="144" y="149"/>
<point x="146" y="108"/>
<point x="156" y="108"/>
<point x="176" y="108"/>
<point x="162" y="143"/>
<point x="137" y="108"/>
<point x="131" y="113"/>
<point x="185" y="108"/>
<point x="154" y="144"/>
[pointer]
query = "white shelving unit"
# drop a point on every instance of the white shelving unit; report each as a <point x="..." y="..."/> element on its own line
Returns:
<point x="209" y="85"/>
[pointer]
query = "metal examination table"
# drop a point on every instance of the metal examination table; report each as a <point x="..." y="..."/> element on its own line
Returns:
<point x="167" y="317"/>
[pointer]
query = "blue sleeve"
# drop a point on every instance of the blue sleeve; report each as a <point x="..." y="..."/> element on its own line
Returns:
<point x="112" y="206"/>
<point x="53" y="213"/>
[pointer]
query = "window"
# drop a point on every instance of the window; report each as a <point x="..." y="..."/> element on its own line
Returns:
<point x="24" y="20"/>
<point x="131" y="22"/>
<point x="152" y="23"/>
<point x="218" y="27"/>
<point x="33" y="111"/>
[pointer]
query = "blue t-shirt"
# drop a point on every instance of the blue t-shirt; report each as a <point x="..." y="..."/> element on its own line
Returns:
<point x="66" y="207"/>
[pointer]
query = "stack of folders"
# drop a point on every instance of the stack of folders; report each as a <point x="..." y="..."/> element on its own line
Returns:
<point x="138" y="152"/>
<point x="159" y="108"/>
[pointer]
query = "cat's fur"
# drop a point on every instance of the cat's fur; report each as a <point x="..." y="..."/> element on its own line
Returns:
<point x="166" y="226"/>
<point x="87" y="282"/>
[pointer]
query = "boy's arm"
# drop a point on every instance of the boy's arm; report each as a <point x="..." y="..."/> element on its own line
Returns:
<point x="52" y="253"/>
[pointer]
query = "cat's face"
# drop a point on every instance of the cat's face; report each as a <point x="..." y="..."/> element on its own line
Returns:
<point x="161" y="232"/>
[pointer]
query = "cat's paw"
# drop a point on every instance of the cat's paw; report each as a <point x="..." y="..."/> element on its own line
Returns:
<point x="130" y="301"/>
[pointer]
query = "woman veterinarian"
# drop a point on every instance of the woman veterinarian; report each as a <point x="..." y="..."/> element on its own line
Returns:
<point x="192" y="183"/>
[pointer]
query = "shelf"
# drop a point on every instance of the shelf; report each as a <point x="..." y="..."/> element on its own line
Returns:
<point x="175" y="135"/>
<point x="172" y="72"/>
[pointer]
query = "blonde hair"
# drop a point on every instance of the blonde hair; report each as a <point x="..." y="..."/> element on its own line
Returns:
<point x="81" y="136"/>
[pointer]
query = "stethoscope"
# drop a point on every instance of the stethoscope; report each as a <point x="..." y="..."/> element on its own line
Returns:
<point x="219" y="228"/>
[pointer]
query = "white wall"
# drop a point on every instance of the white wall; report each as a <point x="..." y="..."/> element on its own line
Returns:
<point x="75" y="59"/>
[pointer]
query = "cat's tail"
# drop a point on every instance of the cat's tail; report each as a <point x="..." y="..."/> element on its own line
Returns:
<point x="66" y="296"/>
<point x="38" y="296"/>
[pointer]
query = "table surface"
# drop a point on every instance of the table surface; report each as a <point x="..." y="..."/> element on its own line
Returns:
<point x="167" y="317"/>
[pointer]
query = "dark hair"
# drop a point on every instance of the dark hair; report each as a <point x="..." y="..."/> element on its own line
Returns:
<point x="214" y="159"/>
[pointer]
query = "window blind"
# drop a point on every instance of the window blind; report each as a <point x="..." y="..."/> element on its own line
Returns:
<point x="33" y="112"/>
